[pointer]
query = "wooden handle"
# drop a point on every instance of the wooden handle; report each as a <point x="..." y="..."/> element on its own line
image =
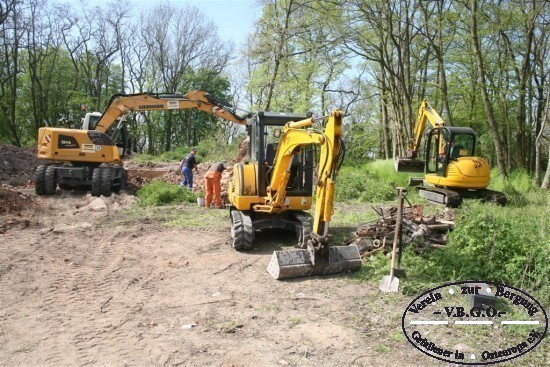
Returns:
<point x="396" y="232"/>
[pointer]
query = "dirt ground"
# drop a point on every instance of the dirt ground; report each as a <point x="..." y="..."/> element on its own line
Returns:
<point x="83" y="282"/>
<point x="103" y="282"/>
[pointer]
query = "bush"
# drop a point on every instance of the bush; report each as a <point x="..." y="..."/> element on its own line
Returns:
<point x="502" y="244"/>
<point x="371" y="182"/>
<point x="209" y="150"/>
<point x="161" y="193"/>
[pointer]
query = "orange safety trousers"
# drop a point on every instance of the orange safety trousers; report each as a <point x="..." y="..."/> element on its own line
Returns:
<point x="213" y="189"/>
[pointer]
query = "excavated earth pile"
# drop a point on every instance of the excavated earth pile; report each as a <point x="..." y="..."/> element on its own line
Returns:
<point x="17" y="165"/>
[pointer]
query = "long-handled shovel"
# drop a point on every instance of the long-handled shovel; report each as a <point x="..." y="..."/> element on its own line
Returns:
<point x="390" y="283"/>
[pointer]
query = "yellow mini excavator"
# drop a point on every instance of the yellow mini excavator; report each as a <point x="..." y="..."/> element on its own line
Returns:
<point x="273" y="189"/>
<point x="451" y="170"/>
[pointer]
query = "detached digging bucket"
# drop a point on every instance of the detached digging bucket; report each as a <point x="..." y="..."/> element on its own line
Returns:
<point x="200" y="202"/>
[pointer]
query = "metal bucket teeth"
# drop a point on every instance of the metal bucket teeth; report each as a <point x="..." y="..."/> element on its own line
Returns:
<point x="297" y="263"/>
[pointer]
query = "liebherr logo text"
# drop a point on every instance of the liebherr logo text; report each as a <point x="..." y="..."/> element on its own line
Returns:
<point x="475" y="323"/>
<point x="150" y="106"/>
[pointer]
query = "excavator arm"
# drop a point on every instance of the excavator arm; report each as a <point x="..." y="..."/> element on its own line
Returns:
<point x="123" y="104"/>
<point x="425" y="114"/>
<point x="318" y="258"/>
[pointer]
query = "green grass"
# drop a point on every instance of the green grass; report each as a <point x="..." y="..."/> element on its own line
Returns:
<point x="372" y="182"/>
<point x="162" y="193"/>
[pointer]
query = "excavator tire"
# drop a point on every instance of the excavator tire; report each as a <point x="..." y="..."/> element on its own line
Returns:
<point x="49" y="180"/>
<point x="39" y="184"/>
<point x="106" y="181"/>
<point x="96" y="181"/>
<point x="242" y="231"/>
<point x="123" y="181"/>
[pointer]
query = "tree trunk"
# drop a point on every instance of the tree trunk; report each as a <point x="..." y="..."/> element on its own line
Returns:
<point x="384" y="115"/>
<point x="499" y="146"/>
<point x="546" y="182"/>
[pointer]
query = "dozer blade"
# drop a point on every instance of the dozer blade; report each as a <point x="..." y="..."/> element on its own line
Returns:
<point x="297" y="263"/>
<point x="408" y="165"/>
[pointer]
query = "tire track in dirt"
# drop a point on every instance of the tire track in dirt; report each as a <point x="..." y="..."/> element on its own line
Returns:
<point x="86" y="271"/>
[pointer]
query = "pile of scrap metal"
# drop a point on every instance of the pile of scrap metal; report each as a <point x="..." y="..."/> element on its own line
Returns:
<point x="421" y="232"/>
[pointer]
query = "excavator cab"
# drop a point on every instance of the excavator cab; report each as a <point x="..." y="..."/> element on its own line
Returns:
<point x="250" y="186"/>
<point x="445" y="145"/>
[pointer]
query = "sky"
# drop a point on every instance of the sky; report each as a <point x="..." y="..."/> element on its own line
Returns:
<point x="234" y="18"/>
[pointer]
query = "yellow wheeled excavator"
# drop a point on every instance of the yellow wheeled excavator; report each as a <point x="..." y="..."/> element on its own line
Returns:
<point x="451" y="169"/>
<point x="90" y="158"/>
<point x="273" y="189"/>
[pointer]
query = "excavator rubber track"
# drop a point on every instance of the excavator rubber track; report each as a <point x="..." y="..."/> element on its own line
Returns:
<point x="485" y="195"/>
<point x="242" y="231"/>
<point x="453" y="198"/>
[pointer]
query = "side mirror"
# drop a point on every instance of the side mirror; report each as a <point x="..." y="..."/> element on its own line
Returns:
<point x="277" y="133"/>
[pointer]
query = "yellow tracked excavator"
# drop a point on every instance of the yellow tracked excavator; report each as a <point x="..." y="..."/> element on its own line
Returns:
<point x="451" y="170"/>
<point x="273" y="189"/>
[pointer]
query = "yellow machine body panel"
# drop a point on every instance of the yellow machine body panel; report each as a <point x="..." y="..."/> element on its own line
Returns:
<point x="242" y="192"/>
<point x="464" y="173"/>
<point x="73" y="145"/>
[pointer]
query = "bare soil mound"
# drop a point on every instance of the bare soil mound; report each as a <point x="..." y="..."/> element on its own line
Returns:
<point x="14" y="201"/>
<point x="17" y="164"/>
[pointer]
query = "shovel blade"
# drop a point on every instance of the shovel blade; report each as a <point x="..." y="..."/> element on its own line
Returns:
<point x="389" y="284"/>
<point x="297" y="263"/>
<point x="408" y="165"/>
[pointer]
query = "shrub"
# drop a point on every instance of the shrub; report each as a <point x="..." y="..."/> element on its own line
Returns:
<point x="502" y="244"/>
<point x="371" y="182"/>
<point x="161" y="193"/>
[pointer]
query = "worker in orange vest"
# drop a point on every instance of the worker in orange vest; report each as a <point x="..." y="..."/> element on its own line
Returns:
<point x="212" y="180"/>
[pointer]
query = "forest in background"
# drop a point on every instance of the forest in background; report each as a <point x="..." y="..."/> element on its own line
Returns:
<point x="481" y="64"/>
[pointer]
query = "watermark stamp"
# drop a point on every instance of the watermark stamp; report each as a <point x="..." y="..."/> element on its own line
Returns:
<point x="475" y="323"/>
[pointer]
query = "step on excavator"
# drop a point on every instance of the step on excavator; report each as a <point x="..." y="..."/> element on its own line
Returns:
<point x="273" y="189"/>
<point x="451" y="170"/>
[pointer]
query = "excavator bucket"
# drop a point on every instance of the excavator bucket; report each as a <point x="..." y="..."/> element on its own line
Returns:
<point x="298" y="263"/>
<point x="408" y="165"/>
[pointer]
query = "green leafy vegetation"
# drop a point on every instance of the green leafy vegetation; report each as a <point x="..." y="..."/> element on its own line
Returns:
<point x="209" y="150"/>
<point x="505" y="244"/>
<point x="161" y="193"/>
<point x="370" y="183"/>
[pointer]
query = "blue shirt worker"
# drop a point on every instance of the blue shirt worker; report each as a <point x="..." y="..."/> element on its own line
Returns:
<point x="186" y="166"/>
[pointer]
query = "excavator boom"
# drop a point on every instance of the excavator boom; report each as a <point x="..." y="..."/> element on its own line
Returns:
<point x="410" y="163"/>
